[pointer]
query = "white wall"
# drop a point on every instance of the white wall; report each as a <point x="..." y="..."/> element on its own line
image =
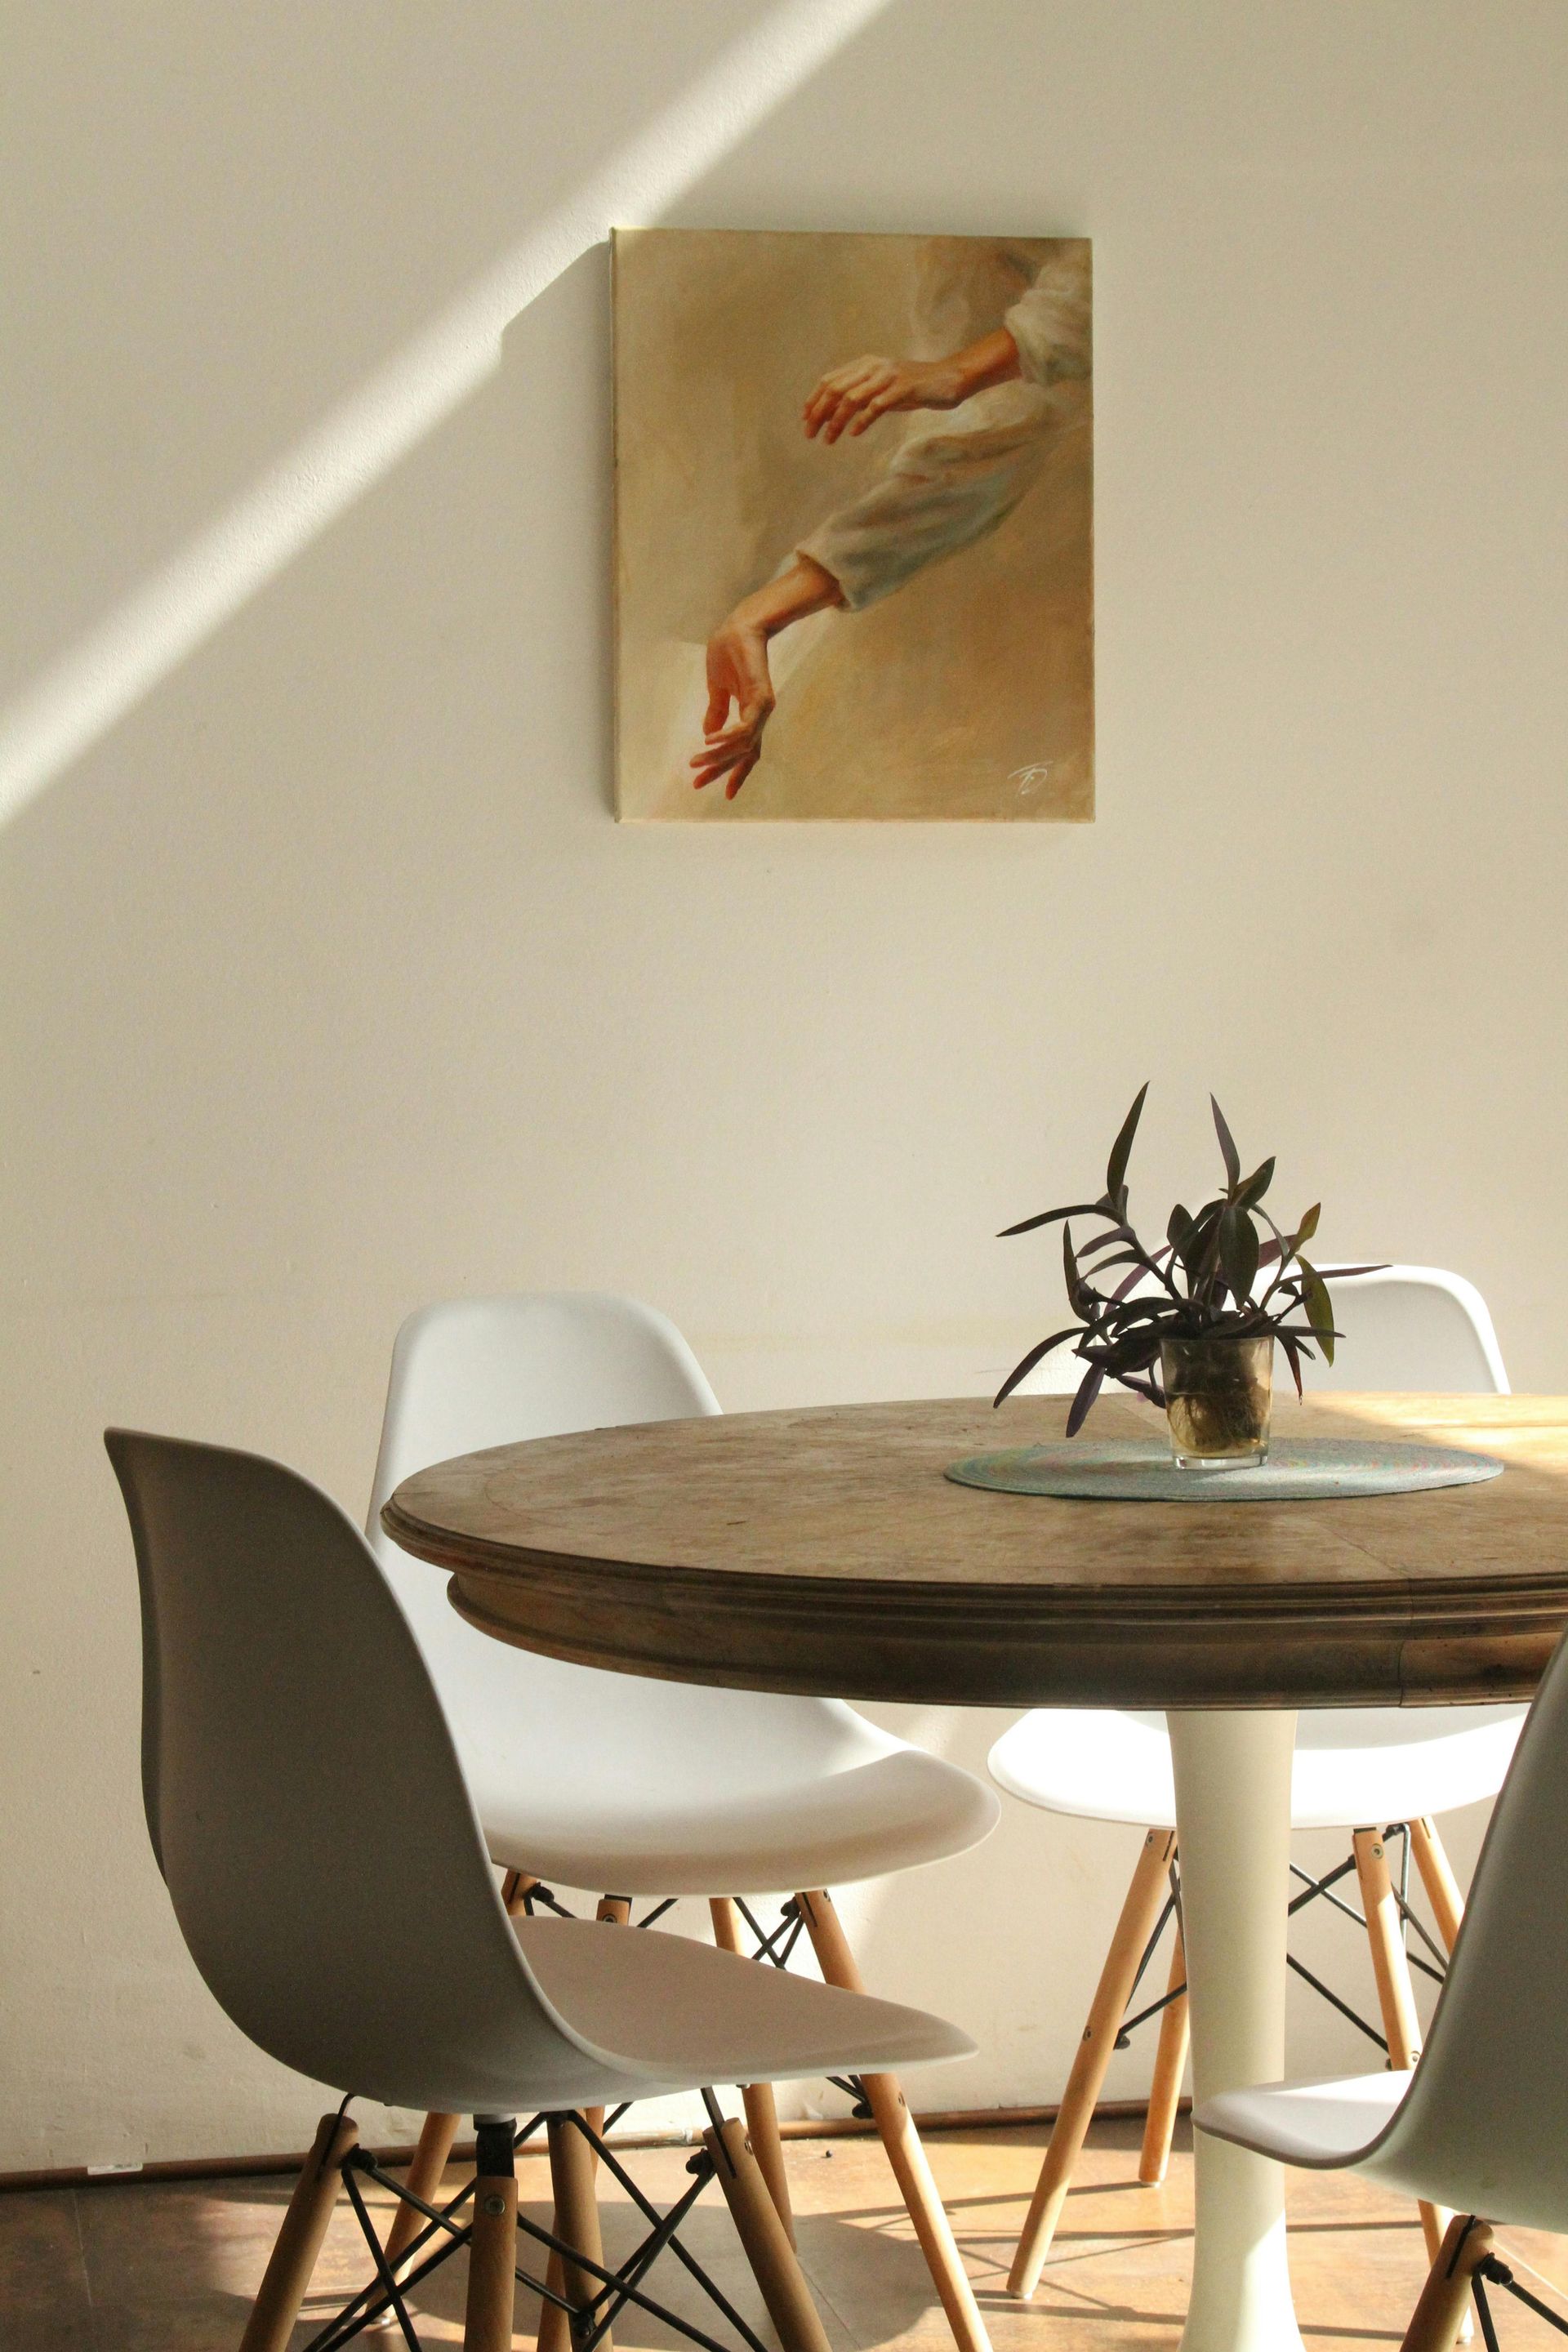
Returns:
<point x="329" y="985"/>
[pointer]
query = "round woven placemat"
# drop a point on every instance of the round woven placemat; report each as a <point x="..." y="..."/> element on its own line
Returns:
<point x="1140" y="1470"/>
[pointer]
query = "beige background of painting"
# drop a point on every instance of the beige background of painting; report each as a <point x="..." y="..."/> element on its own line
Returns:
<point x="926" y="704"/>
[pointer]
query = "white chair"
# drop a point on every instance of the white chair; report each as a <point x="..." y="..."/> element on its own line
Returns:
<point x="308" y="1812"/>
<point x="640" y="1787"/>
<point x="1478" y="2123"/>
<point x="1358" y="1768"/>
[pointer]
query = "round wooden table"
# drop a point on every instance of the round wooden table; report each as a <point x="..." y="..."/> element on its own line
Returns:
<point x="824" y="1551"/>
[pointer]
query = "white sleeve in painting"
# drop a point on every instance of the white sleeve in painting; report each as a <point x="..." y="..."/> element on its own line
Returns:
<point x="1050" y="324"/>
<point x="953" y="482"/>
<point x="947" y="486"/>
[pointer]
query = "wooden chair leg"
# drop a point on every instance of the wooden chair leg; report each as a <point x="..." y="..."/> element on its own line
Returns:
<point x="423" y="2178"/>
<point x="1438" y="1879"/>
<point x="1170" y="2065"/>
<point x="1145" y="1899"/>
<point x="491" y="2311"/>
<point x="1440" y="2313"/>
<point x="572" y="2172"/>
<point x="762" y="2114"/>
<point x="761" y="2229"/>
<point x="554" y="2332"/>
<point x="554" y="2329"/>
<point x="901" y="2141"/>
<point x="293" y="2258"/>
<point x="1396" y="1992"/>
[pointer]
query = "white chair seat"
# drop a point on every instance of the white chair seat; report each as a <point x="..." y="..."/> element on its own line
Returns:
<point x="1354" y="1767"/>
<point x="644" y="1836"/>
<point x="1324" y="2123"/>
<point x="664" y="2013"/>
<point x="621" y="1783"/>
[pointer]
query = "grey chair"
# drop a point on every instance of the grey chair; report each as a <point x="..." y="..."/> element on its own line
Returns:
<point x="330" y="1878"/>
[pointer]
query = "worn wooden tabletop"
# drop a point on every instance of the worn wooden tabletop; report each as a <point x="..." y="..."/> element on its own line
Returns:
<point x="823" y="1550"/>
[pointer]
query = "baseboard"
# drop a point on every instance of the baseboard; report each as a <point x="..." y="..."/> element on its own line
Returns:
<point x="237" y="2168"/>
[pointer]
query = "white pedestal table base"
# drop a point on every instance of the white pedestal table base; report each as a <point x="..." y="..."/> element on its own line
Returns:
<point x="1232" y="1831"/>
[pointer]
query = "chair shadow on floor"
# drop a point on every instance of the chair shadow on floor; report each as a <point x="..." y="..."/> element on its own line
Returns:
<point x="130" y="2267"/>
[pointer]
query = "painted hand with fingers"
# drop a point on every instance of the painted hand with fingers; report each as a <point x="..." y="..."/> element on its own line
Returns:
<point x="850" y="399"/>
<point x="738" y="675"/>
<point x="739" y="679"/>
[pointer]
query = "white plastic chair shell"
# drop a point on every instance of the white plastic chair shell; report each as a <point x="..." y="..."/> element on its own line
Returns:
<point x="1352" y="1764"/>
<point x="326" y="1866"/>
<point x="1477" y="2125"/>
<point x="1409" y="1327"/>
<point x="618" y="1781"/>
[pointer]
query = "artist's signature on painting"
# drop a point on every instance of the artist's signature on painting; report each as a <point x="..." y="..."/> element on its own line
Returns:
<point x="1031" y="779"/>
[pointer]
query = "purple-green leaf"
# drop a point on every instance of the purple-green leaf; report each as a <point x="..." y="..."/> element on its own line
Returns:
<point x="1088" y="1389"/>
<point x="1238" y="1252"/>
<point x="1228" y="1152"/>
<point x="1050" y="1217"/>
<point x="1293" y="1356"/>
<point x="1021" y="1371"/>
<point x="1256" y="1186"/>
<point x="1122" y="1150"/>
<point x="1320" y="1308"/>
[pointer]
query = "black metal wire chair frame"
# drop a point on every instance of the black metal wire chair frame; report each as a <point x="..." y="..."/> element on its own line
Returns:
<point x="1313" y="1890"/>
<point x="387" y="2293"/>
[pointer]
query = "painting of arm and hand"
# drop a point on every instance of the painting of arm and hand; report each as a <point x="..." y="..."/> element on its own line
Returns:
<point x="853" y="543"/>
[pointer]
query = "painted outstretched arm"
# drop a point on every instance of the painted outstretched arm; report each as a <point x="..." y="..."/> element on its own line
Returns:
<point x="945" y="489"/>
<point x="948" y="485"/>
<point x="848" y="400"/>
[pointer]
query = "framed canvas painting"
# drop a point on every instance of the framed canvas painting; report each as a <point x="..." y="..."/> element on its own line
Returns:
<point x="854" y="527"/>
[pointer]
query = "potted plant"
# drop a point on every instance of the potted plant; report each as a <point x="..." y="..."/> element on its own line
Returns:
<point x="1186" y="1325"/>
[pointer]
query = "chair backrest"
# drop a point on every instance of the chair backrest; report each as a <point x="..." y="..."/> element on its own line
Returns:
<point x="304" y="1799"/>
<point x="1484" y="2125"/>
<point x="472" y="1372"/>
<point x="1408" y="1327"/>
<point x="1413" y="1328"/>
<point x="468" y="1373"/>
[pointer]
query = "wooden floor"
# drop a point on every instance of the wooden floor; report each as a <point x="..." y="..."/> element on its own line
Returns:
<point x="167" y="2268"/>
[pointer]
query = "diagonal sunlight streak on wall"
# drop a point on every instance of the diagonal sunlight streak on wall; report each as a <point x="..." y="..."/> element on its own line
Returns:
<point x="170" y="612"/>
